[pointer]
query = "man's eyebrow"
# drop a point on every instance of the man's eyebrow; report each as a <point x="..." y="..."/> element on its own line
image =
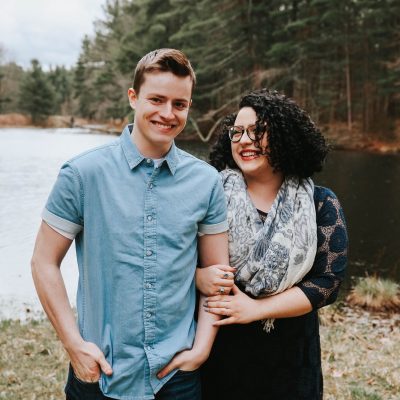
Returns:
<point x="164" y="97"/>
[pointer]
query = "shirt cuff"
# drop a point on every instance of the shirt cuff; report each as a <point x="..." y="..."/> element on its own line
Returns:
<point x="62" y="224"/>
<point x="213" y="229"/>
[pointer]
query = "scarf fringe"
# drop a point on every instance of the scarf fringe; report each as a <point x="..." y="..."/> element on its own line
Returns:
<point x="268" y="324"/>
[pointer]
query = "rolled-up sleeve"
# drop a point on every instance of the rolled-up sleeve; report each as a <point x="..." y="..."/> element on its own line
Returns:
<point x="215" y="220"/>
<point x="321" y="284"/>
<point x="64" y="207"/>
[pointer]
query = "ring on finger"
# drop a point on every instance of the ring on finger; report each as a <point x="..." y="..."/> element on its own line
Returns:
<point x="222" y="290"/>
<point x="225" y="276"/>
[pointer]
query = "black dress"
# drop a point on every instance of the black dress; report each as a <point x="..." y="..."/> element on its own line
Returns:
<point x="247" y="363"/>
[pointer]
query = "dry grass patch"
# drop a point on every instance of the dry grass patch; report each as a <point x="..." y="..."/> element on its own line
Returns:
<point x="14" y="119"/>
<point x="360" y="354"/>
<point x="33" y="364"/>
<point x="375" y="294"/>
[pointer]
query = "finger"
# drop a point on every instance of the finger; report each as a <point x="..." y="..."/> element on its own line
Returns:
<point x="216" y="304"/>
<point x="166" y="370"/>
<point x="224" y="299"/>
<point x="219" y="311"/>
<point x="228" y="282"/>
<point x="86" y="374"/>
<point x="226" y="268"/>
<point x="236" y="290"/>
<point x="225" y="321"/>
<point x="216" y="298"/>
<point x="104" y="365"/>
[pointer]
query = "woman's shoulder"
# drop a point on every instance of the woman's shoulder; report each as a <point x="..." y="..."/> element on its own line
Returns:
<point x="328" y="207"/>
<point x="322" y="194"/>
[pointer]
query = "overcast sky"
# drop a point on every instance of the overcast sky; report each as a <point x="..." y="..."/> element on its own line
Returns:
<point x="49" y="30"/>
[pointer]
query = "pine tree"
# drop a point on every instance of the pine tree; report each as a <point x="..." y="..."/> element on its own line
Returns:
<point x="36" y="96"/>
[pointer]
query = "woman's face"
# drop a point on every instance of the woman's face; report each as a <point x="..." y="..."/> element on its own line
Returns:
<point x="247" y="154"/>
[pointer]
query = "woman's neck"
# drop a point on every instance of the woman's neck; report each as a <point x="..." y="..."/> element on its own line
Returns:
<point x="263" y="189"/>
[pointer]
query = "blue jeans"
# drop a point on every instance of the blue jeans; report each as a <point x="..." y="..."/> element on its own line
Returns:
<point x="182" y="386"/>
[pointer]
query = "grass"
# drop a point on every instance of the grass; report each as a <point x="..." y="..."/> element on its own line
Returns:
<point x="359" y="353"/>
<point x="32" y="362"/>
<point x="375" y="294"/>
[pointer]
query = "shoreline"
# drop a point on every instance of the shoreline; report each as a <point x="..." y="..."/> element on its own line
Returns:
<point x="337" y="136"/>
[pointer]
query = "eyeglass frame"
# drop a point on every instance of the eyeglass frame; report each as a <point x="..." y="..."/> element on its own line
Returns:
<point x="243" y="130"/>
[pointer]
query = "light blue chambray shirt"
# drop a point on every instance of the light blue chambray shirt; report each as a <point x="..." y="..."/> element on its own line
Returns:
<point x="136" y="248"/>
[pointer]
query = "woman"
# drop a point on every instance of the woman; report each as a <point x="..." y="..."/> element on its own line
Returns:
<point x="288" y="245"/>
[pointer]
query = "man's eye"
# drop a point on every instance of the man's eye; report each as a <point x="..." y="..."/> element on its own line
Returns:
<point x="155" y="100"/>
<point x="181" y="106"/>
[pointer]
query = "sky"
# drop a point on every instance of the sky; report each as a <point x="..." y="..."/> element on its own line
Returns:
<point x="48" y="30"/>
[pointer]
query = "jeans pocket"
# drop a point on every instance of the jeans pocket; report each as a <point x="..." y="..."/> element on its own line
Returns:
<point x="83" y="382"/>
<point x="77" y="389"/>
<point x="182" y="372"/>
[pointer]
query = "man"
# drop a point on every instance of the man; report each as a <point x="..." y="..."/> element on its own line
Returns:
<point x="135" y="208"/>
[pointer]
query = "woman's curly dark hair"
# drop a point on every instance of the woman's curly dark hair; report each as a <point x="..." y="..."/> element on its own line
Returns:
<point x="295" y="147"/>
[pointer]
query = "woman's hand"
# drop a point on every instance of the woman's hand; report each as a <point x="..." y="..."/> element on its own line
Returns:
<point x="216" y="279"/>
<point x="238" y="308"/>
<point x="187" y="360"/>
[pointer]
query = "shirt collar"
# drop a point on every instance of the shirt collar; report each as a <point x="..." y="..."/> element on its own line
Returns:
<point x="134" y="157"/>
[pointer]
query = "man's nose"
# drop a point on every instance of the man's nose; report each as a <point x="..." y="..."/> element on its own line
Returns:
<point x="167" y="111"/>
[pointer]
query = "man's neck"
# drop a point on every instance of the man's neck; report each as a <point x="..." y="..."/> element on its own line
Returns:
<point x="149" y="150"/>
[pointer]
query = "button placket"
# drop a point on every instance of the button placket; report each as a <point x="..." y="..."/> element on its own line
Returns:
<point x="150" y="259"/>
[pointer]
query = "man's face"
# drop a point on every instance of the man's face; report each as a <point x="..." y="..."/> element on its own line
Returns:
<point x="161" y="110"/>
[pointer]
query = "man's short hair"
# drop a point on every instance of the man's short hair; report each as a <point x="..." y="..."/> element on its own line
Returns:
<point x="163" y="60"/>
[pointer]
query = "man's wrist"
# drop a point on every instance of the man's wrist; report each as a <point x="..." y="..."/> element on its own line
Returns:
<point x="73" y="344"/>
<point x="200" y="355"/>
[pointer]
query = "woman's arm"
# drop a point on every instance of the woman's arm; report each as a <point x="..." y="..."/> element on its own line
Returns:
<point x="318" y="288"/>
<point x="242" y="309"/>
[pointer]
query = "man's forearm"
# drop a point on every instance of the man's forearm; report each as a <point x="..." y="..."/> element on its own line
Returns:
<point x="50" y="249"/>
<point x="213" y="249"/>
<point x="206" y="331"/>
<point x="53" y="296"/>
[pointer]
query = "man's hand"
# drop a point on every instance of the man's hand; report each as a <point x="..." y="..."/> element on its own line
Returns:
<point x="188" y="360"/>
<point x="238" y="308"/>
<point x="210" y="280"/>
<point x="88" y="362"/>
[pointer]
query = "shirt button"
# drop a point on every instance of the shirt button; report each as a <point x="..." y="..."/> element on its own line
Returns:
<point x="148" y="347"/>
<point x="148" y="315"/>
<point x="149" y="253"/>
<point x="148" y="160"/>
<point x="150" y="186"/>
<point x="148" y="285"/>
<point x="149" y="218"/>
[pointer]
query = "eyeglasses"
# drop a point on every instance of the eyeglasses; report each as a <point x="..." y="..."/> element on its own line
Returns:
<point x="253" y="132"/>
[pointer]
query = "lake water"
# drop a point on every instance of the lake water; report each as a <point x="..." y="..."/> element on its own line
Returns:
<point x="368" y="186"/>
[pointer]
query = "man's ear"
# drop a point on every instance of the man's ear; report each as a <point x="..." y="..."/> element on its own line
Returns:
<point x="190" y="103"/>
<point x="132" y="97"/>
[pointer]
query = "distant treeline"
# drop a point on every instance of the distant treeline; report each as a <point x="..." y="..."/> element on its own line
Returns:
<point x="339" y="59"/>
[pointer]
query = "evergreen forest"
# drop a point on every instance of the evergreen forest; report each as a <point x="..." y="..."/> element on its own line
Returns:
<point x="339" y="59"/>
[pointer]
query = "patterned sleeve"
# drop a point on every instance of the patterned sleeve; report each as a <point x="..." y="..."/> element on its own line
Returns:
<point x="321" y="284"/>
